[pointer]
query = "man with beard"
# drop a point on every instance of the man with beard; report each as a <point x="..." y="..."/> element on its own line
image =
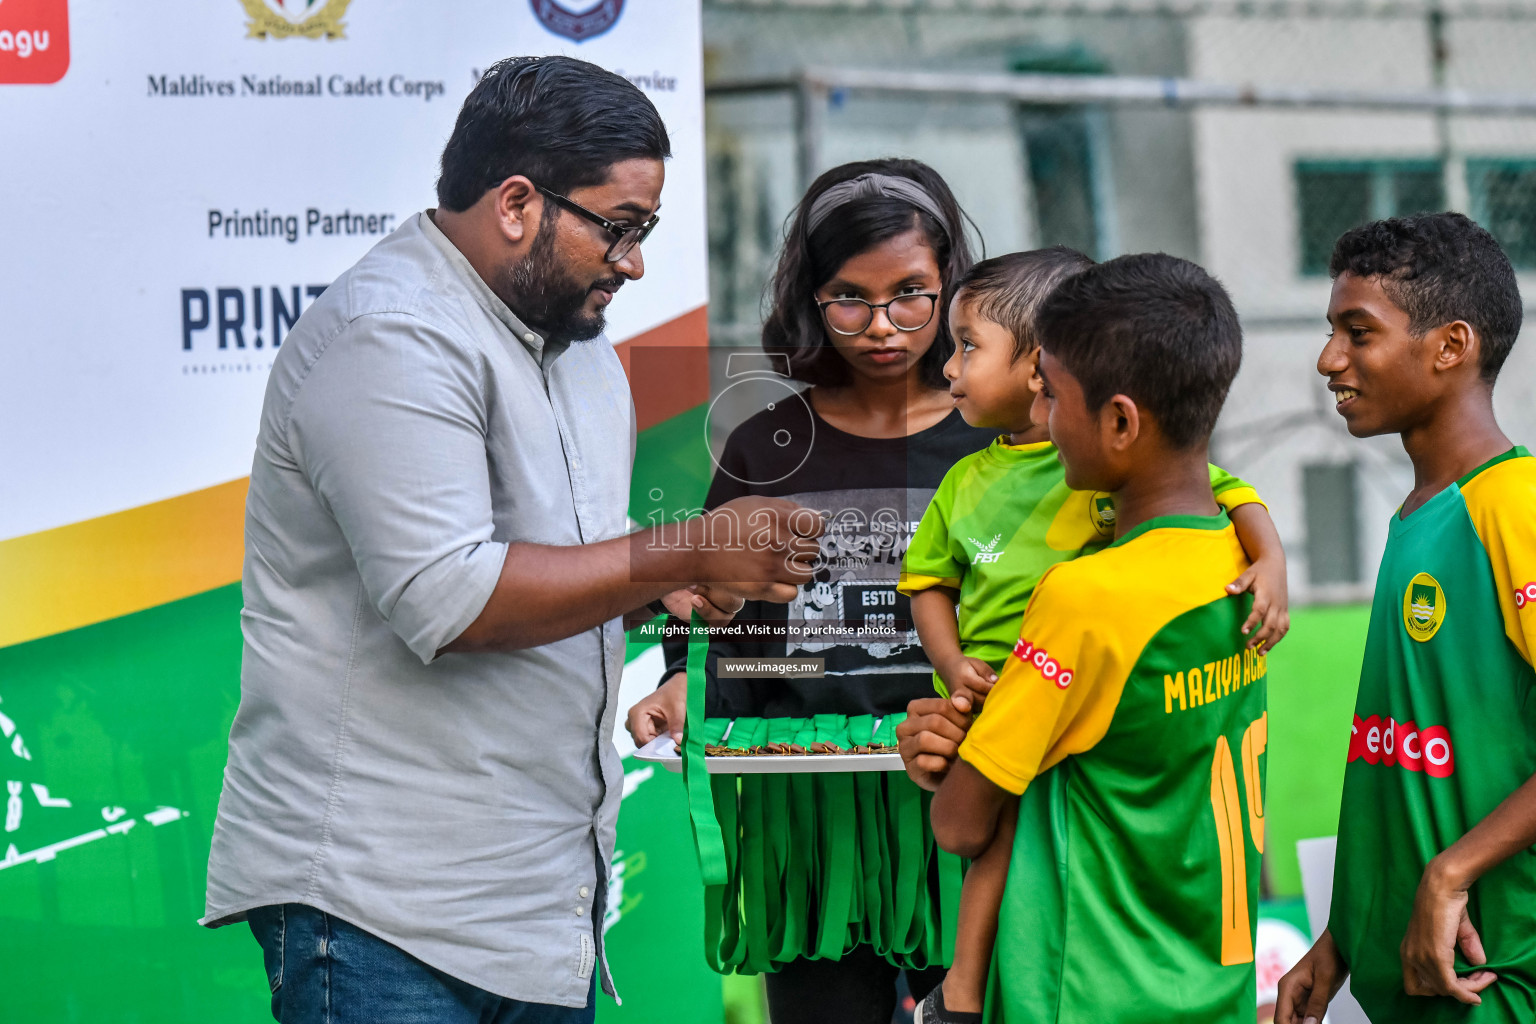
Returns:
<point x="419" y="806"/>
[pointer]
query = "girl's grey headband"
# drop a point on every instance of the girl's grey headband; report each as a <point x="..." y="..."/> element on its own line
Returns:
<point x="867" y="186"/>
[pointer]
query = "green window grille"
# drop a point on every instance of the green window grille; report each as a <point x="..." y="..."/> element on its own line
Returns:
<point x="1330" y="500"/>
<point x="1061" y="156"/>
<point x="1334" y="196"/>
<point x="1503" y="194"/>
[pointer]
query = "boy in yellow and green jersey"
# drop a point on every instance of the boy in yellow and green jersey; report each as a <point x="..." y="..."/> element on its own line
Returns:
<point x="999" y="520"/>
<point x="1434" y="894"/>
<point x="1131" y="712"/>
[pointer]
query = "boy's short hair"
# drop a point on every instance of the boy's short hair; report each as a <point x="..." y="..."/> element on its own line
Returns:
<point x="1154" y="327"/>
<point x="1439" y="268"/>
<point x="1008" y="289"/>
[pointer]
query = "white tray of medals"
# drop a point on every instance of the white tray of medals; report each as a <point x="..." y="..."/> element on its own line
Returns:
<point x="775" y="758"/>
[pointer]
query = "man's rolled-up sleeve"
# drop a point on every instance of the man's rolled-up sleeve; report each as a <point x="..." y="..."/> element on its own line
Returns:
<point x="389" y="427"/>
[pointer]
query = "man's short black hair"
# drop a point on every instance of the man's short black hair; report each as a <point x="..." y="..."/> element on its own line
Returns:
<point x="1440" y="268"/>
<point x="1153" y="327"/>
<point x="1008" y="289"/>
<point x="560" y="122"/>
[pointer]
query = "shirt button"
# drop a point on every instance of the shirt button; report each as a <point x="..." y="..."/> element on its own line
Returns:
<point x="531" y="338"/>
<point x="578" y="911"/>
<point x="585" y="892"/>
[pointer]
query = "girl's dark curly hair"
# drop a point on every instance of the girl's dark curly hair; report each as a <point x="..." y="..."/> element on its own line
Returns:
<point x="812" y="258"/>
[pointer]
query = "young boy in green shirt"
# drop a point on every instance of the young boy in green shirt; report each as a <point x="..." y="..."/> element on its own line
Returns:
<point x="1434" y="889"/>
<point x="999" y="520"/>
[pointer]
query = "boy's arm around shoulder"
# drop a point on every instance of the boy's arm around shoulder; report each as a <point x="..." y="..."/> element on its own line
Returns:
<point x="1230" y="491"/>
<point x="1265" y="576"/>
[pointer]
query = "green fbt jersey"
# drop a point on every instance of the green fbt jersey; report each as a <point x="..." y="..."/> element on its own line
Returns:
<point x="1131" y="718"/>
<point x="999" y="520"/>
<point x="1444" y="729"/>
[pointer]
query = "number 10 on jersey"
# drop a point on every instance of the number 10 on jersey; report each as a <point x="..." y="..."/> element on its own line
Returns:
<point x="1236" y="925"/>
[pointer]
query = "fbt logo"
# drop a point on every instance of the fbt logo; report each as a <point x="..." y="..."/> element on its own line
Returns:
<point x="231" y="312"/>
<point x="34" y="41"/>
<point x="1048" y="667"/>
<point x="986" y="553"/>
<point x="1525" y="595"/>
<point x="1403" y="744"/>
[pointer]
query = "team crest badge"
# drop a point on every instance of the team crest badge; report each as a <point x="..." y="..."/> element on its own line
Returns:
<point x="1423" y="607"/>
<point x="1101" y="509"/>
<point x="280" y="19"/>
<point x="578" y="25"/>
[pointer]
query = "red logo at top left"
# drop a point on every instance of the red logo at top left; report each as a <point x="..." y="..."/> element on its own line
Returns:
<point x="34" y="41"/>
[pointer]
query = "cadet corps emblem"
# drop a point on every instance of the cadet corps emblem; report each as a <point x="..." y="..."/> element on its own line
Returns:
<point x="577" y="25"/>
<point x="279" y="19"/>
<point x="1423" y="607"/>
<point x="1101" y="509"/>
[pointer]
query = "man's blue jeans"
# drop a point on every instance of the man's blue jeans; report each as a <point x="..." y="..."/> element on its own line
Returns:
<point x="323" y="970"/>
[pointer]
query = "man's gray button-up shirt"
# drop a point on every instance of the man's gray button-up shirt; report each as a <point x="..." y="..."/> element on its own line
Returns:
<point x="452" y="805"/>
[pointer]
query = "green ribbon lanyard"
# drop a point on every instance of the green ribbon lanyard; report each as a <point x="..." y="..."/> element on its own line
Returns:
<point x="810" y="866"/>
<point x="838" y="812"/>
<point x="707" y="838"/>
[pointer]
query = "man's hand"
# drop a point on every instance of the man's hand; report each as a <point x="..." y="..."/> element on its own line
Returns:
<point x="969" y="680"/>
<point x="1438" y="926"/>
<point x="1308" y="988"/>
<point x="659" y="712"/>
<point x="1271" y="613"/>
<point x="929" y="739"/>
<point x="715" y="605"/>
<point x="757" y="548"/>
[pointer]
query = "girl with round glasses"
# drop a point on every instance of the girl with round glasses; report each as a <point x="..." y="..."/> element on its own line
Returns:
<point x="836" y="885"/>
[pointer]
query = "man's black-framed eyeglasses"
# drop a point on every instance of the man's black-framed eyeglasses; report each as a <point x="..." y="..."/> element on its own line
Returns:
<point x="625" y="236"/>
<point x="905" y="312"/>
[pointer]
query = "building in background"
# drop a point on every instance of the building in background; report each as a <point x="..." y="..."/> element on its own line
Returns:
<point x="1257" y="193"/>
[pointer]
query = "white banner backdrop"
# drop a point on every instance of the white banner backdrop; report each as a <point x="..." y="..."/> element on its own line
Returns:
<point x="202" y="169"/>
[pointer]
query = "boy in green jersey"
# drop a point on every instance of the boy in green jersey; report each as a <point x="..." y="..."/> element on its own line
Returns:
<point x="1130" y="714"/>
<point x="999" y="520"/>
<point x="1434" y="889"/>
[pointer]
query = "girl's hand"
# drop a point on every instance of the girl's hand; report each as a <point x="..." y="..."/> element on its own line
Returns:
<point x="968" y="680"/>
<point x="1265" y="579"/>
<point x="659" y="712"/>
